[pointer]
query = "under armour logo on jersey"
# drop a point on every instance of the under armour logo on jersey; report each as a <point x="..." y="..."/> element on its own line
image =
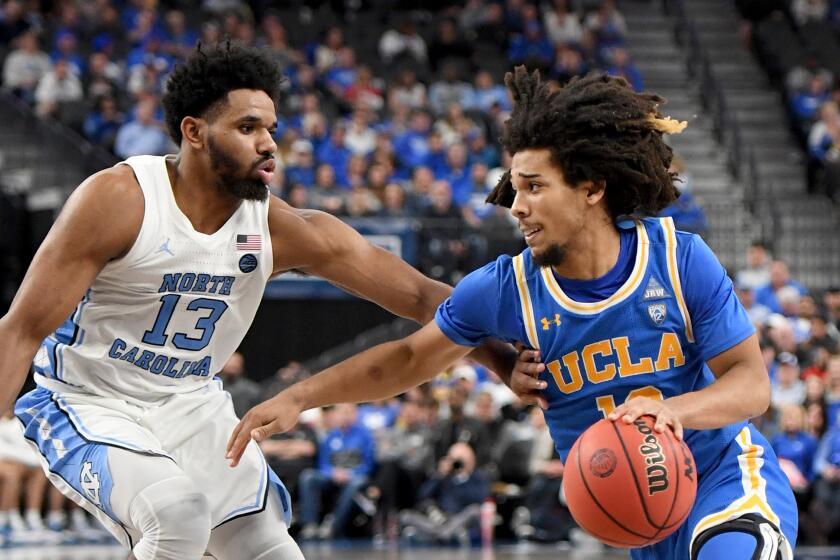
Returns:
<point x="164" y="248"/>
<point x="89" y="481"/>
<point x="655" y="290"/>
<point x="546" y="322"/>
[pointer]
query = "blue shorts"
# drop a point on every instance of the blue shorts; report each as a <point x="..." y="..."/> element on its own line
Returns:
<point x="747" y="479"/>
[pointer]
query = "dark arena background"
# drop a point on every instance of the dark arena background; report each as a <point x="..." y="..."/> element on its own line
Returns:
<point x="390" y="119"/>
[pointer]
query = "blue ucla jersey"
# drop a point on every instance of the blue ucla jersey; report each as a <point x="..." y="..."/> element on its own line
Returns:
<point x="672" y="310"/>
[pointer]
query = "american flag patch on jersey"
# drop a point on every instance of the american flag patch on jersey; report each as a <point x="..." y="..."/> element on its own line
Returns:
<point x="248" y="242"/>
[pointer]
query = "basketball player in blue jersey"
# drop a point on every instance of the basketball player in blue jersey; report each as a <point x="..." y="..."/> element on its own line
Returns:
<point x="160" y="264"/>
<point x="629" y="316"/>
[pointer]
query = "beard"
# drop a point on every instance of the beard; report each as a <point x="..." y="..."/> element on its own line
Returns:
<point x="238" y="185"/>
<point x="553" y="256"/>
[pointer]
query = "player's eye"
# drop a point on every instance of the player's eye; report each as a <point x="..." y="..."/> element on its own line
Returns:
<point x="246" y="128"/>
<point x="533" y="186"/>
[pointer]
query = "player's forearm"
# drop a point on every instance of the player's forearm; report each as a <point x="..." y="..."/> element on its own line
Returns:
<point x="377" y="373"/>
<point x="498" y="356"/>
<point x="16" y="353"/>
<point x="739" y="394"/>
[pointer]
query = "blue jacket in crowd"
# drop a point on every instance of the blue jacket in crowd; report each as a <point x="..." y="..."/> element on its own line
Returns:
<point x="352" y="449"/>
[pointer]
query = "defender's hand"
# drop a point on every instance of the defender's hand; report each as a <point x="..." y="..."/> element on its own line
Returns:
<point x="278" y="414"/>
<point x="641" y="406"/>
<point x="524" y="379"/>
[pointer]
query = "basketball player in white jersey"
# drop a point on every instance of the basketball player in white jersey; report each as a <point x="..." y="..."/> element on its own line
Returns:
<point x="160" y="264"/>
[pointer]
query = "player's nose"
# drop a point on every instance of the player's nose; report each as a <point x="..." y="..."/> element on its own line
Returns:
<point x="266" y="145"/>
<point x="519" y="209"/>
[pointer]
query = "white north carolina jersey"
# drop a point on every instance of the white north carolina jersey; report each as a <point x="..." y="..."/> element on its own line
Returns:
<point x="164" y="318"/>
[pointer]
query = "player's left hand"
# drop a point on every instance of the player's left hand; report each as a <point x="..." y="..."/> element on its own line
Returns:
<point x="525" y="379"/>
<point x="640" y="406"/>
<point x="278" y="414"/>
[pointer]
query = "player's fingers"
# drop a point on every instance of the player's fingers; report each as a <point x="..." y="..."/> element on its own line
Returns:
<point x="239" y="444"/>
<point x="530" y="368"/>
<point x="233" y="437"/>
<point x="663" y="420"/>
<point x="522" y="382"/>
<point x="678" y="429"/>
<point x="519" y="347"/>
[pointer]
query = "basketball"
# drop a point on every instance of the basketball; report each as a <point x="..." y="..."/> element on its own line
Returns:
<point x="628" y="485"/>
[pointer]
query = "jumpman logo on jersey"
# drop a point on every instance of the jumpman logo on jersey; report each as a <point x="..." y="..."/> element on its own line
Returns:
<point x="164" y="248"/>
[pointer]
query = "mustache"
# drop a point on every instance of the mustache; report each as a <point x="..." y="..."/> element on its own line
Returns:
<point x="260" y="162"/>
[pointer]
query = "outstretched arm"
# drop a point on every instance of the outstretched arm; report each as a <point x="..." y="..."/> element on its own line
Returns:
<point x="377" y="373"/>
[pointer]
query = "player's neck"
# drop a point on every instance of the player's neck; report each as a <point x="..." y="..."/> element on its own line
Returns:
<point x="592" y="254"/>
<point x="193" y="186"/>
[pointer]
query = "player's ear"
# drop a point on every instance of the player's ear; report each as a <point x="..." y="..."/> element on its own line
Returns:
<point x="194" y="131"/>
<point x="595" y="191"/>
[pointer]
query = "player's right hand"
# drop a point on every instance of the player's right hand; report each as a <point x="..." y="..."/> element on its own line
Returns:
<point x="524" y="379"/>
<point x="276" y="415"/>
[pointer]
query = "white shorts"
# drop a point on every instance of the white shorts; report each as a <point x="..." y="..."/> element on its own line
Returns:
<point x="72" y="434"/>
<point x="13" y="446"/>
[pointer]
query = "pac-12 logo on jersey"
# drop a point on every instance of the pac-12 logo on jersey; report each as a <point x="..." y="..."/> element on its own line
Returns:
<point x="656" y="312"/>
<point x="89" y="481"/>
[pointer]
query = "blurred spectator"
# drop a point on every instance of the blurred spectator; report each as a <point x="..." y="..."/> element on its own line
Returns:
<point x="59" y="85"/>
<point x="686" y="211"/>
<point x="301" y="167"/>
<point x="361" y="203"/>
<point x="531" y="47"/>
<point x="805" y="11"/>
<point x="562" y="26"/>
<point x="342" y="74"/>
<point x="449" y="45"/>
<point x="346" y="460"/>
<point x="542" y="517"/>
<point x="757" y="272"/>
<point x="402" y="42"/>
<point x="327" y="195"/>
<point x="103" y="77"/>
<point x="365" y="92"/>
<point x="831" y="300"/>
<point x="789" y="388"/>
<point x="284" y="377"/>
<point x="442" y="243"/>
<point x="360" y="137"/>
<point x="334" y="152"/>
<point x="825" y="507"/>
<point x="795" y="447"/>
<point x="396" y="203"/>
<point x="406" y="91"/>
<point x="806" y="103"/>
<point x="326" y="53"/>
<point x="448" y="90"/>
<point x="244" y="393"/>
<point x="624" y="67"/>
<point x="607" y="24"/>
<point x="832" y="396"/>
<point x="378" y="415"/>
<point x="800" y="76"/>
<point x="568" y="63"/>
<point x="404" y="458"/>
<point x="779" y="278"/>
<point x="449" y="506"/>
<point x="15" y="21"/>
<point x="25" y="66"/>
<point x="290" y="453"/>
<point x="757" y="313"/>
<point x="488" y="93"/>
<point x="143" y="135"/>
<point x="459" y="427"/>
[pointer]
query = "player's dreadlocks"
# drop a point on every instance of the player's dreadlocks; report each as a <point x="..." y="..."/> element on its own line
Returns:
<point x="597" y="129"/>
<point x="205" y="78"/>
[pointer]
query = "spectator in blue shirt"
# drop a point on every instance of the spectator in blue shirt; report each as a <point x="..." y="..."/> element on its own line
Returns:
<point x="806" y="104"/>
<point x="143" y="135"/>
<point x="302" y="167"/>
<point x="436" y="156"/>
<point x="795" y="448"/>
<point x="101" y="125"/>
<point x="487" y="93"/>
<point x="412" y="146"/>
<point x="458" y="174"/>
<point x="779" y="278"/>
<point x="825" y="507"/>
<point x="626" y="68"/>
<point x="346" y="460"/>
<point x="532" y="47"/>
<point x="335" y="153"/>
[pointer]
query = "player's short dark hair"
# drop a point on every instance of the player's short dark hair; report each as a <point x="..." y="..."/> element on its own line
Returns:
<point x="201" y="83"/>
<point x="598" y="129"/>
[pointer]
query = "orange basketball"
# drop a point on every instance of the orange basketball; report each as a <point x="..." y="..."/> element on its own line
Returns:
<point x="628" y="485"/>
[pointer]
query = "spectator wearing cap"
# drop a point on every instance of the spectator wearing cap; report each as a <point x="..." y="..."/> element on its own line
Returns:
<point x="757" y="272"/>
<point x="779" y="278"/>
<point x="302" y="164"/>
<point x="789" y="388"/>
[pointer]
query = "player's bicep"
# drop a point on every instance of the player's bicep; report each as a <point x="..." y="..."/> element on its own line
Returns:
<point x="98" y="223"/>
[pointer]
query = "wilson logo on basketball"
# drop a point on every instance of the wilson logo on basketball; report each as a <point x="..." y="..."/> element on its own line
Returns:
<point x="657" y="474"/>
<point x="603" y="462"/>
